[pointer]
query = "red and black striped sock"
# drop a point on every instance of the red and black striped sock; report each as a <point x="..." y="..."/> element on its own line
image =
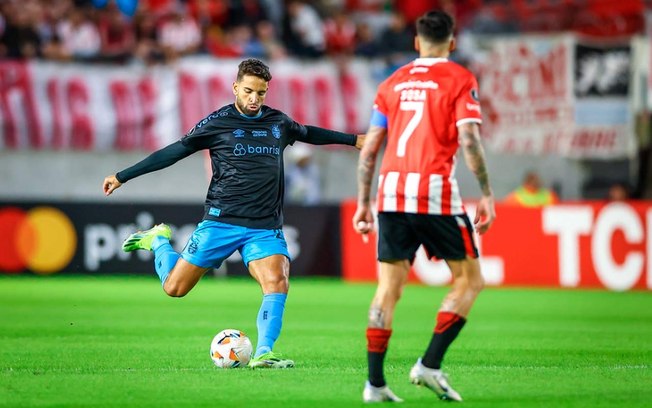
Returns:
<point x="447" y="328"/>
<point x="377" y="340"/>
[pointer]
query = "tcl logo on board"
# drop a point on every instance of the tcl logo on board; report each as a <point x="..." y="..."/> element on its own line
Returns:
<point x="619" y="267"/>
<point x="593" y="244"/>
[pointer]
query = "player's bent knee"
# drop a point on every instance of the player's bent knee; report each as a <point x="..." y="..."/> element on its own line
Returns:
<point x="174" y="289"/>
<point x="275" y="284"/>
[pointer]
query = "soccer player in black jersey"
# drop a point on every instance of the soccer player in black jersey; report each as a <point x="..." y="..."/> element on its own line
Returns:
<point x="243" y="209"/>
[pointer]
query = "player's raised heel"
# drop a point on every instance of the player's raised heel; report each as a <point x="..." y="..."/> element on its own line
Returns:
<point x="373" y="394"/>
<point x="144" y="239"/>
<point x="435" y="380"/>
<point x="270" y="360"/>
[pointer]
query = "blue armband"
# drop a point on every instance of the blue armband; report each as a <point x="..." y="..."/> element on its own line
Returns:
<point x="378" y="119"/>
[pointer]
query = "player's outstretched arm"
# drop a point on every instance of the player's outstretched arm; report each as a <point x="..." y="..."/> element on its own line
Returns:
<point x="158" y="160"/>
<point x="320" y="136"/>
<point x="469" y="135"/>
<point x="110" y="184"/>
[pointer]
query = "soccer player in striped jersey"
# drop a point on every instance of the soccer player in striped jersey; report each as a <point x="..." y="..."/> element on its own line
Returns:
<point x="425" y="110"/>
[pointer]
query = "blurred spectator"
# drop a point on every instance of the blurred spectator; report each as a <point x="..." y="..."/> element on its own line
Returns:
<point x="608" y="18"/>
<point x="531" y="193"/>
<point x="3" y="50"/>
<point x="413" y="9"/>
<point x="20" y="38"/>
<point x="249" y="12"/>
<point x="79" y="36"/>
<point x="147" y="49"/>
<point x="179" y="35"/>
<point x="340" y="33"/>
<point x="125" y="7"/>
<point x="302" y="178"/>
<point x="233" y="42"/>
<point x="157" y="8"/>
<point x="274" y="10"/>
<point x="397" y="42"/>
<point x="462" y="10"/>
<point x="306" y="30"/>
<point x="397" y="38"/>
<point x="618" y="192"/>
<point x="365" y="44"/>
<point x="117" y="35"/>
<point x="268" y="37"/>
<point x="494" y="18"/>
<point x="209" y="12"/>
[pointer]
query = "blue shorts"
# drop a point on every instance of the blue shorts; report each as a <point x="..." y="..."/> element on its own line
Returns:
<point x="212" y="242"/>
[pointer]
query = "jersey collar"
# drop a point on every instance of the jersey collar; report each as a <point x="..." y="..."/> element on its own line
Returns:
<point x="258" y="115"/>
<point x="429" y="61"/>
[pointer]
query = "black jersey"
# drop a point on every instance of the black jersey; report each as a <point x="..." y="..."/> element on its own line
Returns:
<point x="246" y="154"/>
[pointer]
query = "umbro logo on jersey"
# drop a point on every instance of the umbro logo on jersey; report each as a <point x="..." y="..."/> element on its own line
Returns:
<point x="238" y="133"/>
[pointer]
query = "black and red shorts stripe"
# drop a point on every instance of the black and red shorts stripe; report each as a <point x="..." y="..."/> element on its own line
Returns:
<point x="442" y="236"/>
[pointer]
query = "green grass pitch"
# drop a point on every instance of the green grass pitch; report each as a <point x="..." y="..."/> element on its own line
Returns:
<point x="120" y="342"/>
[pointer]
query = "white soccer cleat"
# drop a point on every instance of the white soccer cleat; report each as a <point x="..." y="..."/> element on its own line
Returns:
<point x="378" y="394"/>
<point x="434" y="379"/>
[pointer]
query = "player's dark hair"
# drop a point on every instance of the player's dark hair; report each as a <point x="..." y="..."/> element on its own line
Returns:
<point x="254" y="67"/>
<point x="435" y="26"/>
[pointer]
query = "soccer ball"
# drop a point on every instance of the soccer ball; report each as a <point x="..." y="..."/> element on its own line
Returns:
<point x="231" y="348"/>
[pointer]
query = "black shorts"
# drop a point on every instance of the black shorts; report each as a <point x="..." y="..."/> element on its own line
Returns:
<point x="442" y="236"/>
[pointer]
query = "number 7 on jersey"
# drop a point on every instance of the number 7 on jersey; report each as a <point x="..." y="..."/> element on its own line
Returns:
<point x="417" y="108"/>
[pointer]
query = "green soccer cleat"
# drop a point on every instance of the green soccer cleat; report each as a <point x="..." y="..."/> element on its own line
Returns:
<point x="144" y="239"/>
<point x="270" y="360"/>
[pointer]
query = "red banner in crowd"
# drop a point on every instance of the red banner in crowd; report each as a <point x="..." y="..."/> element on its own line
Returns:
<point x="48" y="105"/>
<point x="555" y="95"/>
<point x="587" y="245"/>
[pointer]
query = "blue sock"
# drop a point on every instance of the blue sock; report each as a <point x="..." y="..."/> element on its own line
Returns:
<point x="270" y="319"/>
<point x="164" y="257"/>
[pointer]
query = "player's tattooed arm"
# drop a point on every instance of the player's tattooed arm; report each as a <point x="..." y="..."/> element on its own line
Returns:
<point x="469" y="136"/>
<point x="376" y="317"/>
<point x="367" y="162"/>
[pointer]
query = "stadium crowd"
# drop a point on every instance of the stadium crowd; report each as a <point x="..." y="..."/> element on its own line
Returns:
<point x="162" y="30"/>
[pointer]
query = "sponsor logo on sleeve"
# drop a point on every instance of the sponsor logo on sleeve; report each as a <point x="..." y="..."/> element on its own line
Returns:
<point x="473" y="107"/>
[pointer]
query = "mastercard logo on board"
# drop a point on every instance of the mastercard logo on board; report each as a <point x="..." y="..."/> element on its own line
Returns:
<point x="41" y="239"/>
